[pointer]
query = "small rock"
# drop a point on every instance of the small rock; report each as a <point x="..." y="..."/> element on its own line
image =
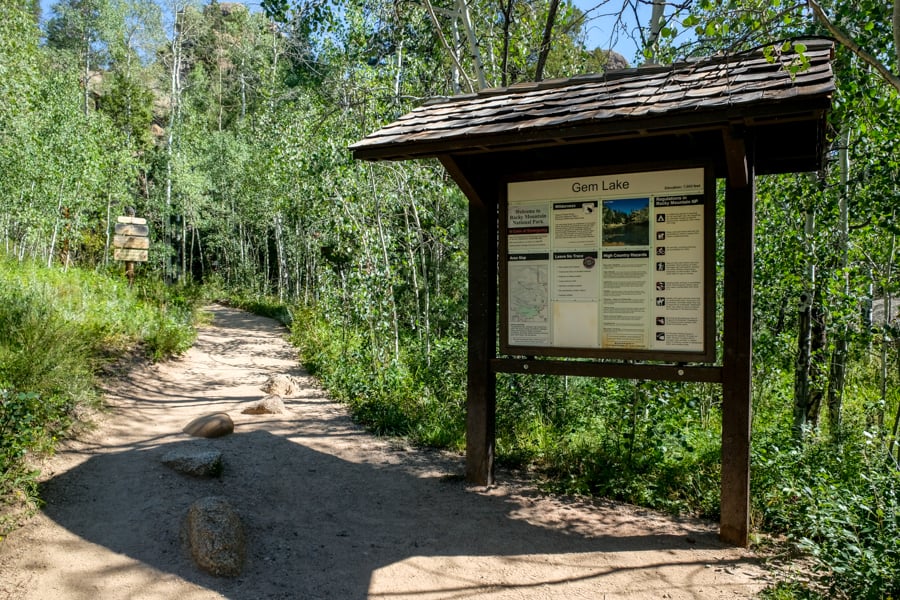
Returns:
<point x="281" y="385"/>
<point x="210" y="426"/>
<point x="215" y="536"/>
<point x="270" y="405"/>
<point x="197" y="461"/>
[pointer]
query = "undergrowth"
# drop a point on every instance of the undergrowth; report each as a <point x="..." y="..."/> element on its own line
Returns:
<point x="839" y="504"/>
<point x="58" y="328"/>
<point x="416" y="396"/>
<point x="262" y="306"/>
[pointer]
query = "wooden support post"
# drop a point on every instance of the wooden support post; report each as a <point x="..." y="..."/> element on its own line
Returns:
<point x="740" y="197"/>
<point x="129" y="273"/>
<point x="481" y="393"/>
<point x="482" y="389"/>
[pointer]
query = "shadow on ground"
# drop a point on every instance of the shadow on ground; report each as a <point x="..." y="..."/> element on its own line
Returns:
<point x="319" y="526"/>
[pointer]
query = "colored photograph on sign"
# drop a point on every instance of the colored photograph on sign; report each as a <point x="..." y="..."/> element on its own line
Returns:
<point x="626" y="222"/>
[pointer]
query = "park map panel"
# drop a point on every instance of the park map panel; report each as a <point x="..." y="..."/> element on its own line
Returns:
<point x="612" y="262"/>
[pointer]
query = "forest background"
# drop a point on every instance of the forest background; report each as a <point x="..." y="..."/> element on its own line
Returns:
<point x="228" y="129"/>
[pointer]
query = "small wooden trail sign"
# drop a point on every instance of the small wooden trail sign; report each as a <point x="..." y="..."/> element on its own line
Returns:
<point x="131" y="243"/>
<point x="132" y="229"/>
<point x="132" y="220"/>
<point x="130" y="255"/>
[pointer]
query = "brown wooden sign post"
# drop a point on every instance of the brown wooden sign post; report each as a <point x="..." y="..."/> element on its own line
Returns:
<point x="514" y="151"/>
<point x="131" y="243"/>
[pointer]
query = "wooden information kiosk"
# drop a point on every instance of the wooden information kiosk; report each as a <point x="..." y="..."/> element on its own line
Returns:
<point x="592" y="225"/>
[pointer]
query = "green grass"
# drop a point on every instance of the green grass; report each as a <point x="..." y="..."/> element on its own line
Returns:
<point x="58" y="328"/>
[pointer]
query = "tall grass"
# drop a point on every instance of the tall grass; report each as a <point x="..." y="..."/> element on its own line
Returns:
<point x="57" y="329"/>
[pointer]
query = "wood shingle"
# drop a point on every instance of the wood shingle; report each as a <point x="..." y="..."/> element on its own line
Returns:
<point x="747" y="90"/>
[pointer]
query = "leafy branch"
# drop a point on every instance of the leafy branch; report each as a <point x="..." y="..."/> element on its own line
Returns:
<point x="845" y="40"/>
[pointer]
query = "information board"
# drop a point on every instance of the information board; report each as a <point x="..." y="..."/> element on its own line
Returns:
<point x="609" y="265"/>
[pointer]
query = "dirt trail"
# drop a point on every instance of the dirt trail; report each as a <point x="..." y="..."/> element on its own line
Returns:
<point x="331" y="512"/>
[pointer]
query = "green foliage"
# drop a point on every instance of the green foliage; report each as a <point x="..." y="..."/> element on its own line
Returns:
<point x="168" y="334"/>
<point x="41" y="350"/>
<point x="412" y="397"/>
<point x="650" y="444"/>
<point x="18" y="59"/>
<point x="44" y="375"/>
<point x="24" y="420"/>
<point x="263" y="306"/>
<point x="789" y="590"/>
<point x="129" y="104"/>
<point x="841" y="505"/>
<point x="57" y="329"/>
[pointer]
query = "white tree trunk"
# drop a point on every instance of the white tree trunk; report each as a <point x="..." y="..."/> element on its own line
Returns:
<point x="427" y="295"/>
<point x="457" y="67"/>
<point x="395" y="318"/>
<point x="885" y="339"/>
<point x="656" y="21"/>
<point x="175" y="101"/>
<point x="839" y="354"/>
<point x="108" y="227"/>
<point x="55" y="232"/>
<point x="895" y="23"/>
<point x="474" y="47"/>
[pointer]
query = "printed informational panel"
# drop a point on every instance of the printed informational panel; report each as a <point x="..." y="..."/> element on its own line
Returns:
<point x="606" y="265"/>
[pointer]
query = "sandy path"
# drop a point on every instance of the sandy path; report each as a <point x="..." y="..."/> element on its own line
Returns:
<point x="331" y="511"/>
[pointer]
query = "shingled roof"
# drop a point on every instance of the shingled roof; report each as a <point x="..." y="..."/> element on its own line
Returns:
<point x="748" y="90"/>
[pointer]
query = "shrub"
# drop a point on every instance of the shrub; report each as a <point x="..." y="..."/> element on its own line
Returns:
<point x="56" y="329"/>
<point x="418" y="397"/>
<point x="840" y="504"/>
<point x="169" y="333"/>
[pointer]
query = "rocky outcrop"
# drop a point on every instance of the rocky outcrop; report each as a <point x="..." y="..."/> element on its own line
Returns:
<point x="215" y="536"/>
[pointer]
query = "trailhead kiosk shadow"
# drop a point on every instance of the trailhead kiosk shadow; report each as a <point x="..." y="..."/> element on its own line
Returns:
<point x="319" y="526"/>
